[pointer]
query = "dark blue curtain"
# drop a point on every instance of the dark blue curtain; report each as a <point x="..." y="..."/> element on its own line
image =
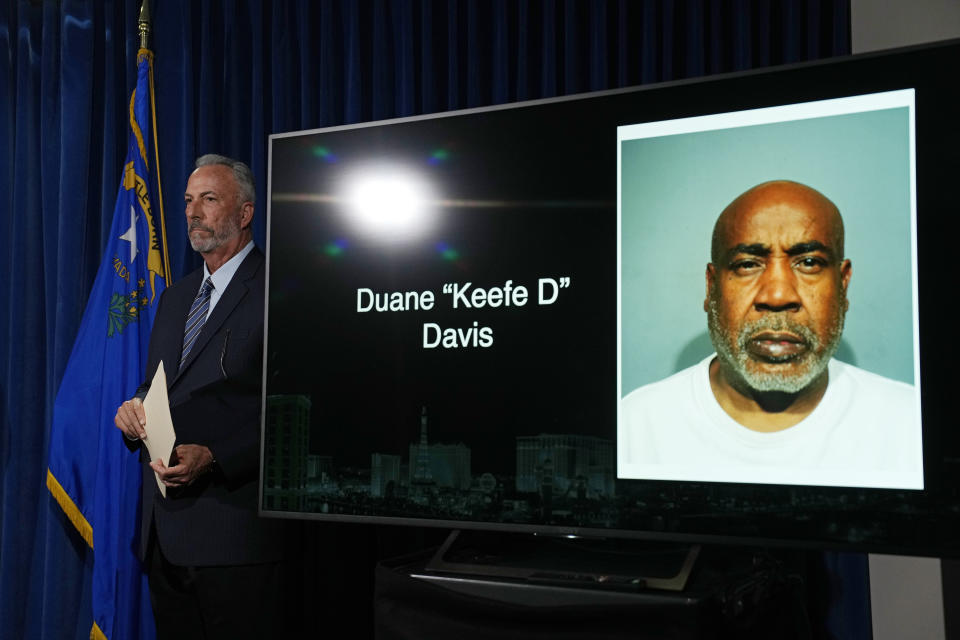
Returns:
<point x="228" y="74"/>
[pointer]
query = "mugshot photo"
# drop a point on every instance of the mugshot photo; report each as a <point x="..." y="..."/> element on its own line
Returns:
<point x="767" y="297"/>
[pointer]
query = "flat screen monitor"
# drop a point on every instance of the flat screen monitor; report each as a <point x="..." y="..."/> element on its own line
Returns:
<point x="709" y="310"/>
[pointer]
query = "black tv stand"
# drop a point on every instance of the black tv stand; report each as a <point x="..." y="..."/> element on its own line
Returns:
<point x="570" y="561"/>
<point x="518" y="585"/>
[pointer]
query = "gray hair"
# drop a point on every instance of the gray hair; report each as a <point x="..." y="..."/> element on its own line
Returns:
<point x="241" y="173"/>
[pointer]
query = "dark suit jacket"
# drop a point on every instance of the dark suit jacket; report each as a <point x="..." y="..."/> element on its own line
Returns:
<point x="215" y="400"/>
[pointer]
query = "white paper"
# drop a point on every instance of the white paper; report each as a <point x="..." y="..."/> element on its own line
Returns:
<point x="160" y="434"/>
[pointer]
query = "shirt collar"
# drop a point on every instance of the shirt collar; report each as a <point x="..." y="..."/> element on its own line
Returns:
<point x="222" y="276"/>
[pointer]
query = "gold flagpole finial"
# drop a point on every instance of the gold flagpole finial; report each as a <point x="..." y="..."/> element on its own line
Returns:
<point x="143" y="24"/>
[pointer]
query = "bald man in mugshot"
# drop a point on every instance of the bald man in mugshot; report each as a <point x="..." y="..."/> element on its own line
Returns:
<point x="772" y="403"/>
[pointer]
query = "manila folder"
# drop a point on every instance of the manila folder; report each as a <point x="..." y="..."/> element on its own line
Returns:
<point x="160" y="434"/>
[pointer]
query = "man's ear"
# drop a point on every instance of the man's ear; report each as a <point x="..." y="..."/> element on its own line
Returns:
<point x="846" y="270"/>
<point x="711" y="281"/>
<point x="246" y="214"/>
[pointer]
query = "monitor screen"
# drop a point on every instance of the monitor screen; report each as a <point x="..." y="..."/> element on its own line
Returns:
<point x="703" y="310"/>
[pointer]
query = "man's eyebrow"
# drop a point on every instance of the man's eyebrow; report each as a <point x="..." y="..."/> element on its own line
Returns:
<point x="761" y="250"/>
<point x="755" y="249"/>
<point x="187" y="194"/>
<point x="809" y="247"/>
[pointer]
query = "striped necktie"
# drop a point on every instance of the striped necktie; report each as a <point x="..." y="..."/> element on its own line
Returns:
<point x="196" y="318"/>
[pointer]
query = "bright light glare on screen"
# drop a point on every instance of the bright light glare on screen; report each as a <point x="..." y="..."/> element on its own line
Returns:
<point x="389" y="202"/>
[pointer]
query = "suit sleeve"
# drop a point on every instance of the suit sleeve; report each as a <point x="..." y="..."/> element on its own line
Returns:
<point x="238" y="457"/>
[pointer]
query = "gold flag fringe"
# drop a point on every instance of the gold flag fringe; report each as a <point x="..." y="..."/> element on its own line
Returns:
<point x="72" y="512"/>
<point x="96" y="634"/>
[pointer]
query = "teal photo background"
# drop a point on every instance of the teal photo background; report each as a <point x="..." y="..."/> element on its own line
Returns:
<point x="674" y="187"/>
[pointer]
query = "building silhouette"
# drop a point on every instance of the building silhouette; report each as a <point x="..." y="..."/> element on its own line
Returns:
<point x="573" y="463"/>
<point x="286" y="446"/>
<point x="422" y="474"/>
<point x="384" y="475"/>
<point x="449" y="465"/>
<point x="438" y="465"/>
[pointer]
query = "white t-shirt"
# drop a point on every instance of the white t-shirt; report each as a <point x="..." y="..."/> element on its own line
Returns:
<point x="865" y="432"/>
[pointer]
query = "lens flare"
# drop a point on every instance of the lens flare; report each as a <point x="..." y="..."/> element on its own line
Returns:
<point x="391" y="203"/>
<point x="324" y="154"/>
<point x="438" y="156"/>
<point x="335" y="248"/>
<point x="447" y="252"/>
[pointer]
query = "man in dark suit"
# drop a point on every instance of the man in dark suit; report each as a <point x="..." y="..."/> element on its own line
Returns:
<point x="213" y="564"/>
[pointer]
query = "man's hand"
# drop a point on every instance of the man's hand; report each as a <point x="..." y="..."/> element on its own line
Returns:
<point x="190" y="461"/>
<point x="131" y="419"/>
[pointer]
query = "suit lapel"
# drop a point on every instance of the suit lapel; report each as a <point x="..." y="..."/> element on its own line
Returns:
<point x="229" y="299"/>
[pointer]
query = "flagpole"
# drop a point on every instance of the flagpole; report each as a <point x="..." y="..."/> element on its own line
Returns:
<point x="143" y="26"/>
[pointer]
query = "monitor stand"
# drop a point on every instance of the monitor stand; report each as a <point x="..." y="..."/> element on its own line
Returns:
<point x="570" y="561"/>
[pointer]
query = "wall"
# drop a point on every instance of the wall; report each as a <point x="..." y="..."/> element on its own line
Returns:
<point x="908" y="594"/>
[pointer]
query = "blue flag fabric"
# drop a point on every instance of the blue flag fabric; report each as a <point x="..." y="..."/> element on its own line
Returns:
<point x="91" y="473"/>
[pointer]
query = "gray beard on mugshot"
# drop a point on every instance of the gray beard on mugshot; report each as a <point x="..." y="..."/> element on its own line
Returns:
<point x="738" y="359"/>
